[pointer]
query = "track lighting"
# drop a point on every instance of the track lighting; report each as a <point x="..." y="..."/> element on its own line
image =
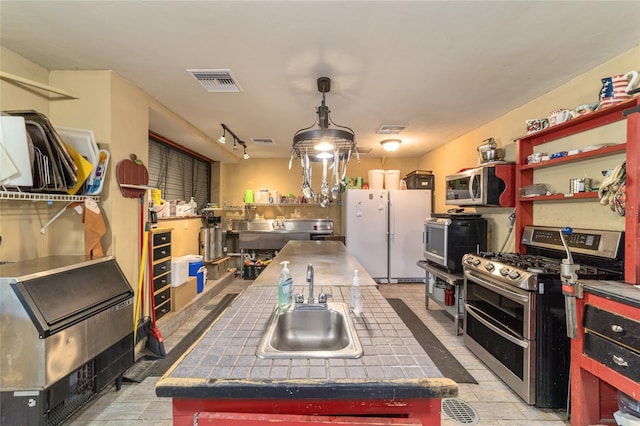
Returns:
<point x="236" y="140"/>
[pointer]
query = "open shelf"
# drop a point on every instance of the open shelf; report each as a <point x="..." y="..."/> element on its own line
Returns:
<point x="563" y="197"/>
<point x="596" y="153"/>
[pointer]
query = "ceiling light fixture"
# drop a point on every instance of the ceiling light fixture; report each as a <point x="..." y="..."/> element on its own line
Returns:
<point x="236" y="140"/>
<point x="390" y="145"/>
<point x="322" y="137"/>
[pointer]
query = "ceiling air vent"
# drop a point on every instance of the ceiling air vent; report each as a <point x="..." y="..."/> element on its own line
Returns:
<point x="216" y="80"/>
<point x="391" y="129"/>
<point x="263" y="141"/>
<point x="363" y="150"/>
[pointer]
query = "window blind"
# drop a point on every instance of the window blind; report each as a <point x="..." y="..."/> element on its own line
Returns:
<point x="178" y="174"/>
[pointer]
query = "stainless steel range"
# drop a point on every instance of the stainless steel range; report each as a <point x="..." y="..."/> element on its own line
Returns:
<point x="515" y="319"/>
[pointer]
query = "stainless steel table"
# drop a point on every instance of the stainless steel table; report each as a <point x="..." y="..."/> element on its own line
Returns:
<point x="457" y="309"/>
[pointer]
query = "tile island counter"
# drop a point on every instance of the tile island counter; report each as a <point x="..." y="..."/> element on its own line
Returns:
<point x="220" y="380"/>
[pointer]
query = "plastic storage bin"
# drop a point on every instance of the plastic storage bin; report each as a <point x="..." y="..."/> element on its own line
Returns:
<point x="420" y="179"/>
<point x="179" y="270"/>
<point x="376" y="178"/>
<point x="196" y="269"/>
<point x="392" y="179"/>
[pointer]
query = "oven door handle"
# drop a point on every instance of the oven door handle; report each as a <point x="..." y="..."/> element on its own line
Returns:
<point x="498" y="289"/>
<point x="471" y="310"/>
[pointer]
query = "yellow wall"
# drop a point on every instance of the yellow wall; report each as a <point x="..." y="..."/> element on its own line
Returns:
<point x="461" y="153"/>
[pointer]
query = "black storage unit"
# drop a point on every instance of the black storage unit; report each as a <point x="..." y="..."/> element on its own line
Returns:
<point x="420" y="179"/>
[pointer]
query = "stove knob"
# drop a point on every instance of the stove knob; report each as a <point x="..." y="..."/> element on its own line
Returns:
<point x="473" y="261"/>
<point x="489" y="266"/>
<point x="514" y="275"/>
<point x="504" y="271"/>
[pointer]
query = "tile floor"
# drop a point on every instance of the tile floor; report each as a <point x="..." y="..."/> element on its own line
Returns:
<point x="136" y="403"/>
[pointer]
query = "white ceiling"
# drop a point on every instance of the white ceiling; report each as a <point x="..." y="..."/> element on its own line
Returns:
<point x="442" y="68"/>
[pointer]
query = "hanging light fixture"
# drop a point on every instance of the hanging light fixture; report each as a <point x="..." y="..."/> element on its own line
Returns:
<point x="222" y="138"/>
<point x="245" y="155"/>
<point x="390" y="145"/>
<point x="235" y="143"/>
<point x="319" y="136"/>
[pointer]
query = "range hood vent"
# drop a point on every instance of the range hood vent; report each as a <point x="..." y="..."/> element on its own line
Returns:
<point x="216" y="80"/>
<point x="391" y="129"/>
<point x="263" y="141"/>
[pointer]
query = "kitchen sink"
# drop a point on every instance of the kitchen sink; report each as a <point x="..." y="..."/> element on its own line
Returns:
<point x="310" y="331"/>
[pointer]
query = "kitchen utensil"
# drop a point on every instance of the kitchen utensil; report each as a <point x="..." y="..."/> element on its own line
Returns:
<point x="13" y="139"/>
<point x="85" y="169"/>
<point x="492" y="155"/>
<point x="291" y="158"/>
<point x="335" y="189"/>
<point x="83" y="141"/>
<point x="98" y="178"/>
<point x="324" y="186"/>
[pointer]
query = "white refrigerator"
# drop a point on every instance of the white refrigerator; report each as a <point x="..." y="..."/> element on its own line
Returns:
<point x="383" y="231"/>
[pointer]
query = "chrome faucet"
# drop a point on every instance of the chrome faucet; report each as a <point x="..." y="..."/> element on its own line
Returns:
<point x="310" y="281"/>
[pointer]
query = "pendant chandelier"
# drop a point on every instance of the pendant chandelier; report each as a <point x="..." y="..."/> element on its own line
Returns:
<point x="319" y="139"/>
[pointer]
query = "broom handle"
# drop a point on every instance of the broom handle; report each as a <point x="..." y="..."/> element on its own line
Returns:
<point x="152" y="302"/>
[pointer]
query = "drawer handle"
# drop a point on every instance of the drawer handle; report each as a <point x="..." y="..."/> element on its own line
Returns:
<point x="163" y="252"/>
<point x="620" y="361"/>
<point x="616" y="328"/>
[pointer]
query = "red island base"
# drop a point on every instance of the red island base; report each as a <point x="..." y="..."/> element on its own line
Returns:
<point x="233" y="412"/>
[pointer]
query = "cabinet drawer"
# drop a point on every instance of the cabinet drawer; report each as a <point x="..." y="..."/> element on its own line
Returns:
<point x="162" y="297"/>
<point x="163" y="310"/>
<point x="614" y="356"/>
<point x="162" y="238"/>
<point x="161" y="282"/>
<point x="161" y="252"/>
<point x="621" y="329"/>
<point x="162" y="267"/>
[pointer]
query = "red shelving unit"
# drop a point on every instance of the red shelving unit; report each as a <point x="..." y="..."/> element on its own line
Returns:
<point x="525" y="172"/>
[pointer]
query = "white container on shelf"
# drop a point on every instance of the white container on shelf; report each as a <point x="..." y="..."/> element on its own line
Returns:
<point x="179" y="270"/>
<point x="376" y="179"/>
<point x="391" y="179"/>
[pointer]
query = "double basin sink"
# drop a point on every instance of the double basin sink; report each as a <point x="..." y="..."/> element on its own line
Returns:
<point x="310" y="331"/>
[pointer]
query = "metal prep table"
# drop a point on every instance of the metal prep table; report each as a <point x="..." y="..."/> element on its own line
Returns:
<point x="457" y="309"/>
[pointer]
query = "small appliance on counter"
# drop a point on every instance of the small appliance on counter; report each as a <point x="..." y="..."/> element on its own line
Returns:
<point x="449" y="236"/>
<point x="212" y="246"/>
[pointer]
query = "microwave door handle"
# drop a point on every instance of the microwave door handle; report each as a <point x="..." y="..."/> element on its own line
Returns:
<point x="471" y="310"/>
<point x="471" y="181"/>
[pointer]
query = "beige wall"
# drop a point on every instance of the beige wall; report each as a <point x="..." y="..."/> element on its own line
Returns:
<point x="461" y="153"/>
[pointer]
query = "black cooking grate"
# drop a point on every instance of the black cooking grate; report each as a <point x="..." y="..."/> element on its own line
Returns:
<point x="459" y="411"/>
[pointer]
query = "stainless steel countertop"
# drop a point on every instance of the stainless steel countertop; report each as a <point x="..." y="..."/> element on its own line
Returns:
<point x="332" y="264"/>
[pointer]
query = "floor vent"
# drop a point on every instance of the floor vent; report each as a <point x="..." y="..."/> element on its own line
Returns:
<point x="216" y="80"/>
<point x="459" y="411"/>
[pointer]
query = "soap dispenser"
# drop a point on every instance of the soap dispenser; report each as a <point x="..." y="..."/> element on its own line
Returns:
<point x="356" y="294"/>
<point x="193" y="206"/>
<point x="285" y="286"/>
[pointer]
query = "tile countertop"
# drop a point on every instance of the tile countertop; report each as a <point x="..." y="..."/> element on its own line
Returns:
<point x="223" y="364"/>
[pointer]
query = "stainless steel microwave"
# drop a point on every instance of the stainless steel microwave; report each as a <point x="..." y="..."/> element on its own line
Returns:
<point x="489" y="185"/>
